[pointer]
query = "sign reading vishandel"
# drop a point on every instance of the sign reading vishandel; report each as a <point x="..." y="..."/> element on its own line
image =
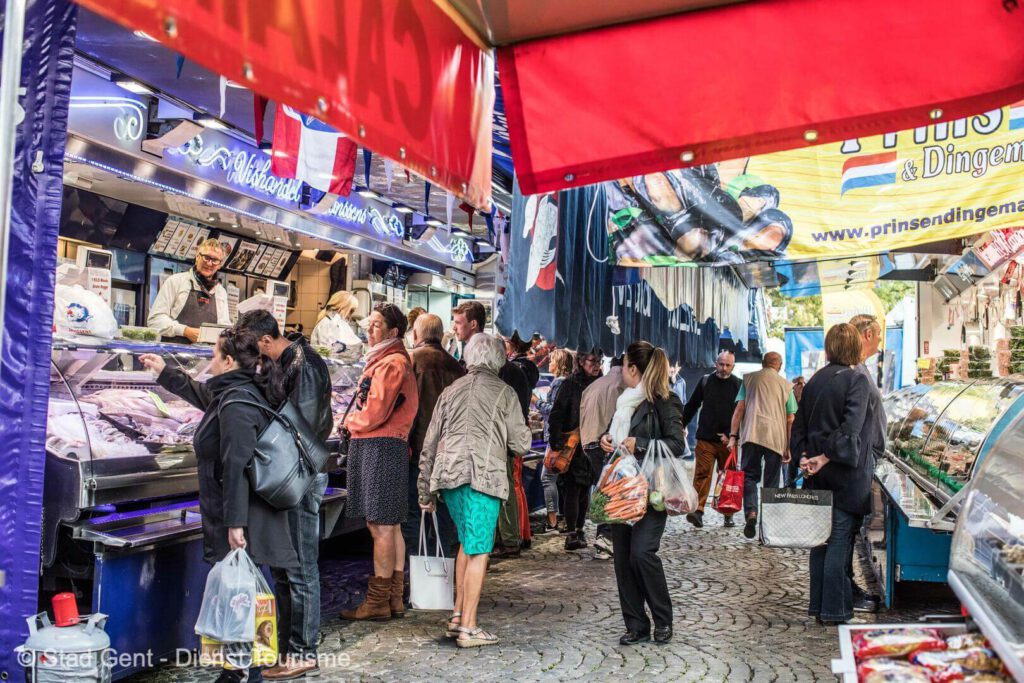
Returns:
<point x="860" y="196"/>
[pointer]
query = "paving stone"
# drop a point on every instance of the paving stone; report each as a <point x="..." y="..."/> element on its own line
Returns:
<point x="740" y="615"/>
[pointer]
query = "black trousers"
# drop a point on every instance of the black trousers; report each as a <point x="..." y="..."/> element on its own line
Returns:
<point x="575" y="501"/>
<point x="639" y="573"/>
<point x="756" y="456"/>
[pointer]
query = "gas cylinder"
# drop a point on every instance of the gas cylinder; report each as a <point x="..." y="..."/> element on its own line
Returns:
<point x="75" y="652"/>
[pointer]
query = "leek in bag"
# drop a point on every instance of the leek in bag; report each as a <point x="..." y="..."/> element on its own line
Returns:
<point x="668" y="482"/>
<point x="621" y="496"/>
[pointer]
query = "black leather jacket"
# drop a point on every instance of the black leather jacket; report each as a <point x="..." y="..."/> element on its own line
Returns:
<point x="308" y="384"/>
<point x="662" y="421"/>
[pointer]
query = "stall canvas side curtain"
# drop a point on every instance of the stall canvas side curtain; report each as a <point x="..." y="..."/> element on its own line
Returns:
<point x="398" y="76"/>
<point x="751" y="78"/>
<point x="47" y="64"/>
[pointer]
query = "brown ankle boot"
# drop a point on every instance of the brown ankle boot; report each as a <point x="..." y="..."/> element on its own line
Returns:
<point x="375" y="607"/>
<point x="398" y="594"/>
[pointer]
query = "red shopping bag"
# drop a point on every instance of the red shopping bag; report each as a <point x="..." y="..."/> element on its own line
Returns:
<point x="729" y="488"/>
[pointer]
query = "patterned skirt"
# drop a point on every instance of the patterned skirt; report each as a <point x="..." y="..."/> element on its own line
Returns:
<point x="378" y="480"/>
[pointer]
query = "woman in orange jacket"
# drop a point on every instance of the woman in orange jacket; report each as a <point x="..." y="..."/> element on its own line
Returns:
<point x="378" y="458"/>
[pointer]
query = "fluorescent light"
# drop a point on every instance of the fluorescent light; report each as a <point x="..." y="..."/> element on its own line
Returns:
<point x="211" y="122"/>
<point x="368" y="193"/>
<point x="401" y="208"/>
<point x="131" y="85"/>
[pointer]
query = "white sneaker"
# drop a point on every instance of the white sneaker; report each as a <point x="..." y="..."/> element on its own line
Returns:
<point x="602" y="554"/>
<point x="604" y="545"/>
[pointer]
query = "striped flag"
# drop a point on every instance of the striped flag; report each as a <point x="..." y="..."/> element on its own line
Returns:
<point x="869" y="170"/>
<point x="311" y="151"/>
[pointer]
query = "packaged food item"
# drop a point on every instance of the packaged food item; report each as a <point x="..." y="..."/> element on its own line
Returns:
<point x="886" y="670"/>
<point x="972" y="660"/>
<point x="966" y="640"/>
<point x="987" y="678"/>
<point x="896" y="642"/>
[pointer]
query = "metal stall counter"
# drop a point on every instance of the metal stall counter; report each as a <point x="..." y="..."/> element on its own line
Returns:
<point x="121" y="522"/>
<point x="937" y="436"/>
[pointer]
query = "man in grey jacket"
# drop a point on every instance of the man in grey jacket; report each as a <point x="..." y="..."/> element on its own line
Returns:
<point x="871" y="339"/>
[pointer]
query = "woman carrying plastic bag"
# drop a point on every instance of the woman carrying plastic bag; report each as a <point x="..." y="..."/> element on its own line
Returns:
<point x="647" y="412"/>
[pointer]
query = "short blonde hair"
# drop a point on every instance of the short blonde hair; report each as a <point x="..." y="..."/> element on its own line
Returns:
<point x="341" y="301"/>
<point x="485" y="350"/>
<point x="207" y="245"/>
<point x="561" y="362"/>
<point x="843" y="344"/>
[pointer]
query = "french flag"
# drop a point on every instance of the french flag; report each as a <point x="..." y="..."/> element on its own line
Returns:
<point x="311" y="151"/>
<point x="869" y="170"/>
<point x="1017" y="115"/>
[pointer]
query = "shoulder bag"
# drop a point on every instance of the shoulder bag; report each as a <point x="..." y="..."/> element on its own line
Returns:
<point x="288" y="455"/>
<point x="558" y="461"/>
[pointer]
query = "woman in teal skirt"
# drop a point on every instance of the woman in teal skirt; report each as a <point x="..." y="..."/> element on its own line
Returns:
<point x="477" y="425"/>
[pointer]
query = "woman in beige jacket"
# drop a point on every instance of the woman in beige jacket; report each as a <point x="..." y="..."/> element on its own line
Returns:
<point x="477" y="421"/>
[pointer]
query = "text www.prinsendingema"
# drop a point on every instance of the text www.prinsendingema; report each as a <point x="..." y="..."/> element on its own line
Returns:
<point x="895" y="227"/>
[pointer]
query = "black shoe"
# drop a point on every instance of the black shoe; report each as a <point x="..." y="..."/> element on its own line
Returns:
<point x="632" y="638"/>
<point x="526" y="545"/>
<point x="729" y="522"/>
<point x="227" y="676"/>
<point x="750" y="528"/>
<point x="663" y="635"/>
<point x="696" y="519"/>
<point x="502" y="553"/>
<point x="864" y="603"/>
<point x="582" y="538"/>
<point x="572" y="542"/>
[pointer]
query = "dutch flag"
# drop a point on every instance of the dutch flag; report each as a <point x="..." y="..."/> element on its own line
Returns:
<point x="1017" y="115"/>
<point x="311" y="151"/>
<point x="869" y="170"/>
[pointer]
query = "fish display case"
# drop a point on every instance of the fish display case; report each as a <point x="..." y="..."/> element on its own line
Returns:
<point x="121" y="487"/>
<point x="986" y="571"/>
<point x="937" y="437"/>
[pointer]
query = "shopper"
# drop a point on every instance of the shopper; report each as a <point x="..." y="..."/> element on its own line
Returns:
<point x="233" y="515"/>
<point x="564" y="420"/>
<point x="561" y="363"/>
<point x="761" y="425"/>
<point x="871" y="338"/>
<point x="517" y="352"/>
<point x="187" y="301"/>
<point x="678" y="384"/>
<point x="832" y="438"/>
<point x="469" y="319"/>
<point x="715" y="397"/>
<point x="378" y="459"/>
<point x="334" y="328"/>
<point x="435" y="370"/>
<point x="476" y="423"/>
<point x="411" y="317"/>
<point x="647" y="411"/>
<point x="308" y="386"/>
<point x="597" y="406"/>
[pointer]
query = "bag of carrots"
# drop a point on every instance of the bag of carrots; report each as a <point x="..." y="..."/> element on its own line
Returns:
<point x="621" y="496"/>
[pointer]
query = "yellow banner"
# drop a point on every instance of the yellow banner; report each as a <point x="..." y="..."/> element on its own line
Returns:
<point x="862" y="196"/>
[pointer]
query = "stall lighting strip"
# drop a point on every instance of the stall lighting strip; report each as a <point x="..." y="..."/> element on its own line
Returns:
<point x="211" y="202"/>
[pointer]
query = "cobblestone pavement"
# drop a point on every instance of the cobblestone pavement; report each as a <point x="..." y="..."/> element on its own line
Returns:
<point x="740" y="615"/>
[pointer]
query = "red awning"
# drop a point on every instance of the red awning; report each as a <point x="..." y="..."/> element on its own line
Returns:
<point x="751" y="78"/>
<point x="399" y="76"/>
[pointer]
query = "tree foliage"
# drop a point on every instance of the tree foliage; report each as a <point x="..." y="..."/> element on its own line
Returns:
<point x="806" y="311"/>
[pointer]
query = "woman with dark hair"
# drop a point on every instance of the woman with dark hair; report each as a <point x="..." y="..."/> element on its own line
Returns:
<point x="646" y="411"/>
<point x="378" y="459"/>
<point x="233" y="515"/>
<point x="563" y="422"/>
<point x="832" y="439"/>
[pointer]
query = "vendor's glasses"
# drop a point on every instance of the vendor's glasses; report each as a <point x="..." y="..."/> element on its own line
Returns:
<point x="212" y="260"/>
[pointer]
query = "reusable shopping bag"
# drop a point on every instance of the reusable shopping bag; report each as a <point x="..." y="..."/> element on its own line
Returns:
<point x="558" y="461"/>
<point x="621" y="496"/>
<point x="729" y="488"/>
<point x="431" y="577"/>
<point x="669" y="485"/>
<point x="795" y="518"/>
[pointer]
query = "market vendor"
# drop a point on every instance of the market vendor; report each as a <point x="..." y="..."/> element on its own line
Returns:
<point x="188" y="300"/>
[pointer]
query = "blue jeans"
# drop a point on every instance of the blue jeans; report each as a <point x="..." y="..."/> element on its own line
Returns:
<point x="831" y="590"/>
<point x="298" y="590"/>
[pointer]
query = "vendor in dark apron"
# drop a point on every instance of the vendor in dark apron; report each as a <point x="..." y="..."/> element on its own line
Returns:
<point x="200" y="308"/>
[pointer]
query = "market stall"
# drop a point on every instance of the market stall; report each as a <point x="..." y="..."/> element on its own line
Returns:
<point x="986" y="571"/>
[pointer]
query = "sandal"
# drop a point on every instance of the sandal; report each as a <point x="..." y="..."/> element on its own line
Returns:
<point x="476" y="637"/>
<point x="452" y="627"/>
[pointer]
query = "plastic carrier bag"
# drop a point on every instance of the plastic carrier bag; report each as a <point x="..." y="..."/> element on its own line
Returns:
<point x="77" y="310"/>
<point x="621" y="496"/>
<point x="667" y="480"/>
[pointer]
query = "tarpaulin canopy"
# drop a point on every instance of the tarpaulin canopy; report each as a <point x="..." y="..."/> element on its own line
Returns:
<point x="399" y="76"/>
<point x="750" y="78"/>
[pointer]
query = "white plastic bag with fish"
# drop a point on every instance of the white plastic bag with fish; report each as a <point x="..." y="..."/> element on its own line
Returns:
<point x="76" y="310"/>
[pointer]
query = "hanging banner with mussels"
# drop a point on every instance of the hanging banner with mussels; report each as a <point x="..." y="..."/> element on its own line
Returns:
<point x="862" y="196"/>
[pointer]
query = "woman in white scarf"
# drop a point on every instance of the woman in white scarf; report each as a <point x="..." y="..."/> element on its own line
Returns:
<point x="646" y="411"/>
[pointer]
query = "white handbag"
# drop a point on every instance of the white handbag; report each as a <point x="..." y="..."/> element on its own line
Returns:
<point x="431" y="578"/>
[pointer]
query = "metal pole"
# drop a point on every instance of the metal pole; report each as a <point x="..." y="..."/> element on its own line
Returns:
<point x="10" y="89"/>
